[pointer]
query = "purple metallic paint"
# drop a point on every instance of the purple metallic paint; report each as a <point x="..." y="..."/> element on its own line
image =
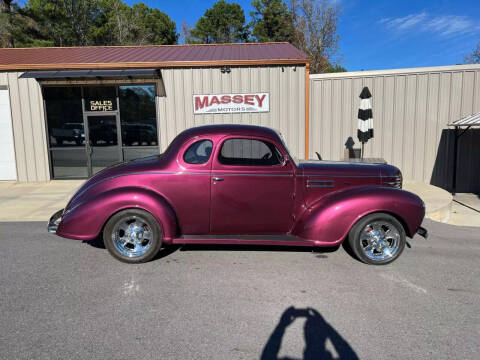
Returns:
<point x="316" y="202"/>
<point x="341" y="210"/>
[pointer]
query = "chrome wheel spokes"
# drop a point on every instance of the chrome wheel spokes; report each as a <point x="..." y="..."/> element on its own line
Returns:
<point x="380" y="240"/>
<point x="132" y="236"/>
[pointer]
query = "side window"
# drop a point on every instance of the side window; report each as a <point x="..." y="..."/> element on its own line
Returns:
<point x="249" y="152"/>
<point x="199" y="152"/>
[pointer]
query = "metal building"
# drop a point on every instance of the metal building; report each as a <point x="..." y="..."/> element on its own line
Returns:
<point x="412" y="109"/>
<point x="69" y="112"/>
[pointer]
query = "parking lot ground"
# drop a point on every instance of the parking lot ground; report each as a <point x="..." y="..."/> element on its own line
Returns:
<point x="64" y="299"/>
<point x="465" y="210"/>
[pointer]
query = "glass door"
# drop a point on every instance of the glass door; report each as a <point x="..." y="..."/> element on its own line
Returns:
<point x="102" y="142"/>
<point x="94" y="126"/>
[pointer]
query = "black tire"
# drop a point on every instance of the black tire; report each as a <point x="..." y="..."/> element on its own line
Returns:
<point x="156" y="238"/>
<point x="357" y="245"/>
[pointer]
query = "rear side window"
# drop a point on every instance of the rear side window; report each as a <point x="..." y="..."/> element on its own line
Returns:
<point x="199" y="152"/>
<point x="249" y="152"/>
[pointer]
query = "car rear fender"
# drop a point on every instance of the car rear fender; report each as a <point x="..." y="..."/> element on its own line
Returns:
<point x="329" y="220"/>
<point x="85" y="221"/>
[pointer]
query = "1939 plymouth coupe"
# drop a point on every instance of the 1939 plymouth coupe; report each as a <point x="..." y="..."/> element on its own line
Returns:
<point x="237" y="184"/>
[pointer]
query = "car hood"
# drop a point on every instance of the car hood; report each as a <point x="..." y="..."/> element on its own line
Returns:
<point x="341" y="168"/>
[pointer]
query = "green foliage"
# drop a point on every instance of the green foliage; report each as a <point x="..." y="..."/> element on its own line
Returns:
<point x="154" y="26"/>
<point x="271" y="21"/>
<point x="87" y="22"/>
<point x="17" y="29"/>
<point x="335" y="69"/>
<point x="222" y="23"/>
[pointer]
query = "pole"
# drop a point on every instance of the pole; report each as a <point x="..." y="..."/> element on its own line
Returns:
<point x="455" y="150"/>
<point x="361" y="155"/>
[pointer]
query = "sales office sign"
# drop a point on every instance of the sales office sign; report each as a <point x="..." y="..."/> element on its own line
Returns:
<point x="231" y="103"/>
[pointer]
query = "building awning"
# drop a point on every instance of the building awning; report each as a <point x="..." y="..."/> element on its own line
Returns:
<point x="467" y="123"/>
<point x="472" y="120"/>
<point x="98" y="74"/>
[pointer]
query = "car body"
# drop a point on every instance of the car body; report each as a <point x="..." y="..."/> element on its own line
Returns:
<point x="237" y="184"/>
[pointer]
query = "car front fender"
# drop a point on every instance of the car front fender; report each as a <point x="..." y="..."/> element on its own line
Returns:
<point x="85" y="221"/>
<point x="328" y="221"/>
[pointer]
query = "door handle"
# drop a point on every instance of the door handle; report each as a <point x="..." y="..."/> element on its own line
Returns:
<point x="217" y="178"/>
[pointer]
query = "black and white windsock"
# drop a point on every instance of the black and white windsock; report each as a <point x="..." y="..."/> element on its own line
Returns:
<point x="365" y="115"/>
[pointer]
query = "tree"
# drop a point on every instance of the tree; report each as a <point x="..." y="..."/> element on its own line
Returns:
<point x="222" y="23"/>
<point x="271" y="21"/>
<point x="154" y="26"/>
<point x="17" y="29"/>
<point x="185" y="35"/>
<point x="114" y="25"/>
<point x="6" y="23"/>
<point x="120" y="24"/>
<point x="65" y="22"/>
<point x="85" y="22"/>
<point x="335" y="69"/>
<point x="474" y="57"/>
<point x="316" y="35"/>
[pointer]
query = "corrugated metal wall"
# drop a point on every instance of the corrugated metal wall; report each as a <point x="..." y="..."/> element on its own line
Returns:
<point x="28" y="127"/>
<point x="411" y="110"/>
<point x="286" y="86"/>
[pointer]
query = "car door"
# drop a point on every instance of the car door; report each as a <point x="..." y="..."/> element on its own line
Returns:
<point x="252" y="187"/>
<point x="188" y="186"/>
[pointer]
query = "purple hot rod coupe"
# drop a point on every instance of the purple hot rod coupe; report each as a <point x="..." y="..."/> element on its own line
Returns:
<point x="237" y="184"/>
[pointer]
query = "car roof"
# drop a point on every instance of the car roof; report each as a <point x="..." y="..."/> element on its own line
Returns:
<point x="230" y="129"/>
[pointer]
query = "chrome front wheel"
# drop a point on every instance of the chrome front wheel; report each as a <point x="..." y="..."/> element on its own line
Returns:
<point x="380" y="240"/>
<point x="132" y="236"/>
<point x="377" y="239"/>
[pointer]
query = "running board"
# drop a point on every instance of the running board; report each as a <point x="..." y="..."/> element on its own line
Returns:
<point x="284" y="240"/>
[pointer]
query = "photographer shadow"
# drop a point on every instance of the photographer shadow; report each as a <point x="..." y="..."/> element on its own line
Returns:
<point x="316" y="331"/>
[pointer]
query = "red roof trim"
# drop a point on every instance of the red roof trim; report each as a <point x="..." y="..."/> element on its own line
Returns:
<point x="150" y="56"/>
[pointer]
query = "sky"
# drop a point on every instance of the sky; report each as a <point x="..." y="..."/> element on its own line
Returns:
<point x="383" y="34"/>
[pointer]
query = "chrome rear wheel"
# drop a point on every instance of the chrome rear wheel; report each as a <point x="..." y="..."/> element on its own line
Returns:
<point x="132" y="236"/>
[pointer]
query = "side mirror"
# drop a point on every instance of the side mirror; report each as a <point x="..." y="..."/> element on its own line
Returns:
<point x="287" y="159"/>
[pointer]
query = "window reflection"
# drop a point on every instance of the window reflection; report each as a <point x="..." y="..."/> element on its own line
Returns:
<point x="138" y="115"/>
<point x="64" y="116"/>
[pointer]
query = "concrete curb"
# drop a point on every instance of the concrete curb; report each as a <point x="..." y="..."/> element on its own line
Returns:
<point x="438" y="202"/>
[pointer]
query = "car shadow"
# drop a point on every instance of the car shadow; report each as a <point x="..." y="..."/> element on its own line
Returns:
<point x="320" y="252"/>
<point x="164" y="251"/>
<point x="316" y="334"/>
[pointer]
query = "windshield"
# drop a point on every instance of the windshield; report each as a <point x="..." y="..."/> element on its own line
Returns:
<point x="295" y="160"/>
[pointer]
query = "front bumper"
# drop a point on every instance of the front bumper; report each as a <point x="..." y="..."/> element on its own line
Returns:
<point x="55" y="221"/>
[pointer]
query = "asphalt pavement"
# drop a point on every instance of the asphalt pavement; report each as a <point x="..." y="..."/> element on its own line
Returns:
<point x="65" y="299"/>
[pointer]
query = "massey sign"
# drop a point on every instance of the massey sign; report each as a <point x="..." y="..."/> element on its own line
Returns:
<point x="231" y="103"/>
